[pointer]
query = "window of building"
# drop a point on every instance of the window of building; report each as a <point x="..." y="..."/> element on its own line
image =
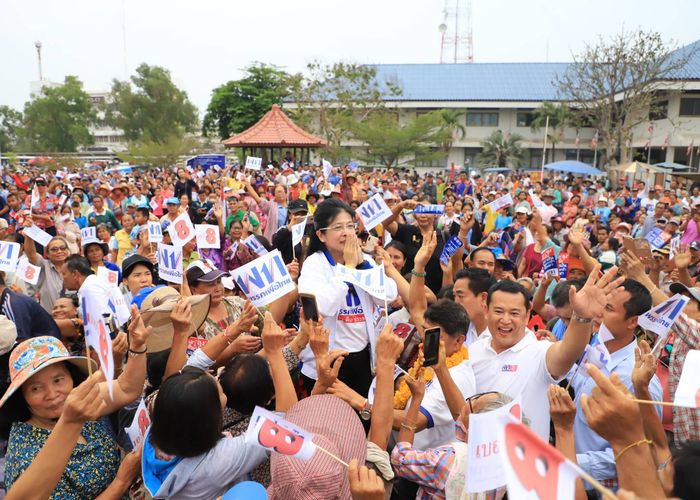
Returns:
<point x="690" y="106"/>
<point x="659" y="110"/>
<point x="525" y="118"/>
<point x="535" y="158"/>
<point x="470" y="155"/>
<point x="482" y="118"/>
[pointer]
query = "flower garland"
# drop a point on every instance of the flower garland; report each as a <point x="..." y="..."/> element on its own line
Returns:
<point x="403" y="393"/>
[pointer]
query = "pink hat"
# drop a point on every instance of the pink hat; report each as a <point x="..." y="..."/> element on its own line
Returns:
<point x="338" y="430"/>
<point x="33" y="355"/>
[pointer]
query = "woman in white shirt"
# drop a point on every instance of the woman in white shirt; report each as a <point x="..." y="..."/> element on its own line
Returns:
<point x="349" y="312"/>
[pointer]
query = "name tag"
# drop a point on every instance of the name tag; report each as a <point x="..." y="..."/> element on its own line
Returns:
<point x="509" y="368"/>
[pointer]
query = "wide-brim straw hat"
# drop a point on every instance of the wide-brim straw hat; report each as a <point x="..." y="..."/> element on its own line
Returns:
<point x="156" y="309"/>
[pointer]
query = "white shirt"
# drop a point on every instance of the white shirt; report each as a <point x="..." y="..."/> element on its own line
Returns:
<point x="518" y="371"/>
<point x="472" y="336"/>
<point x="441" y="424"/>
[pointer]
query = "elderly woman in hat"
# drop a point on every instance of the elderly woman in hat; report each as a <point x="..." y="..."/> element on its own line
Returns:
<point x="96" y="253"/>
<point x="42" y="374"/>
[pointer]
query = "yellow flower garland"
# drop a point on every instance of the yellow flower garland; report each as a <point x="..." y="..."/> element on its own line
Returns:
<point x="403" y="393"/>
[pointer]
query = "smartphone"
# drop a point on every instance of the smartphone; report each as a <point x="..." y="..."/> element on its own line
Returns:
<point x="431" y="346"/>
<point x="643" y="249"/>
<point x="308" y="302"/>
<point x="371" y="244"/>
<point x="628" y="244"/>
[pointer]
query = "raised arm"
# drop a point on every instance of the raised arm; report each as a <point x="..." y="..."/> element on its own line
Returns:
<point x="418" y="302"/>
<point x="389" y="348"/>
<point x="587" y="304"/>
<point x="30" y="246"/>
<point x="390" y="224"/>
<point x="273" y="341"/>
<point x="563" y="412"/>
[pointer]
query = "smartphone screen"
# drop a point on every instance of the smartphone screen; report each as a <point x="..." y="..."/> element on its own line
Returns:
<point x="431" y="346"/>
<point x="308" y="302"/>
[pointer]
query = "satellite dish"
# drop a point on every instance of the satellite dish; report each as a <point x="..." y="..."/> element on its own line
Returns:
<point x="442" y="28"/>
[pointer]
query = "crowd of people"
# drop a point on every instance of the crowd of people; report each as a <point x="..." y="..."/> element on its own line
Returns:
<point x="200" y="357"/>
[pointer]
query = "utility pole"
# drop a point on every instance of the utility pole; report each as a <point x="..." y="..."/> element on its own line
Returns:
<point x="37" y="44"/>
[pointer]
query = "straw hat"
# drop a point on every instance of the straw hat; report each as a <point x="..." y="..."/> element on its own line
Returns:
<point x="35" y="354"/>
<point x="156" y="309"/>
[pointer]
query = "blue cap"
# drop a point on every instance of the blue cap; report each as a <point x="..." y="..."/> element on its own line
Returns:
<point x="247" y="490"/>
<point x="172" y="201"/>
<point x="142" y="294"/>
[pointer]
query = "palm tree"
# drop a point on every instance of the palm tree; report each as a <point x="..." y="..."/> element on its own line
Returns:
<point x="560" y="117"/>
<point x="453" y="126"/>
<point x="502" y="150"/>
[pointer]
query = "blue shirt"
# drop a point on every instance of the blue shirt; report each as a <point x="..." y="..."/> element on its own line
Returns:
<point x="593" y="453"/>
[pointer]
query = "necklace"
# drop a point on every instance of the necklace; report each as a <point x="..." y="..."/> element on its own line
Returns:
<point x="403" y="393"/>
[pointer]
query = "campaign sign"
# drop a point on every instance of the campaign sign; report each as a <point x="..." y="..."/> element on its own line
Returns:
<point x="370" y="280"/>
<point x="659" y="319"/>
<point x="499" y="203"/>
<point x="657" y="238"/>
<point x="298" y="232"/>
<point x="688" y="390"/>
<point x="254" y="245"/>
<point x="137" y="430"/>
<point x="170" y="263"/>
<point x="374" y="211"/>
<point x="253" y="163"/>
<point x="88" y="235"/>
<point x="208" y="236"/>
<point x="153" y="204"/>
<point x="563" y="264"/>
<point x="536" y="201"/>
<point x="549" y="261"/>
<point x="37" y="234"/>
<point x="107" y="276"/>
<point x="274" y="433"/>
<point x="429" y="209"/>
<point x="27" y="272"/>
<point x="96" y="334"/>
<point x="327" y="169"/>
<point x="9" y="255"/>
<point x="450" y="248"/>
<point x="484" y="467"/>
<point x="155" y="232"/>
<point x="265" y="279"/>
<point x="181" y="230"/>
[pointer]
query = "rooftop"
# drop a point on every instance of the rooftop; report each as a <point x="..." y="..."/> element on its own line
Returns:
<point x="274" y="129"/>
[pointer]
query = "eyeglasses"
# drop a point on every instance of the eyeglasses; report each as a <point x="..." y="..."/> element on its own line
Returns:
<point x="477" y="396"/>
<point x="62" y="248"/>
<point x="339" y="228"/>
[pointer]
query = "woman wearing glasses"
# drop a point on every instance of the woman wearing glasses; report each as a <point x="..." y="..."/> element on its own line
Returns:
<point x="347" y="311"/>
<point x="50" y="282"/>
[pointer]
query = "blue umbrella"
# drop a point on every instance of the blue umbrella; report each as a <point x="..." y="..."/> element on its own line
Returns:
<point x="573" y="167"/>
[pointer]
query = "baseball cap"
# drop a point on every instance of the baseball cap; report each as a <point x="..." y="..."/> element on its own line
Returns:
<point x="695" y="245"/>
<point x="203" y="271"/>
<point x="522" y="210"/>
<point x="172" y="201"/>
<point x="675" y="220"/>
<point x="296" y="206"/>
<point x="505" y="263"/>
<point x="131" y="261"/>
<point x="682" y="289"/>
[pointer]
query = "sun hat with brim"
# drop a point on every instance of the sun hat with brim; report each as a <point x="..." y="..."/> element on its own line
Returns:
<point x="156" y="309"/>
<point x="694" y="292"/>
<point x="203" y="271"/>
<point x="33" y="355"/>
<point x="103" y="246"/>
<point x="337" y="429"/>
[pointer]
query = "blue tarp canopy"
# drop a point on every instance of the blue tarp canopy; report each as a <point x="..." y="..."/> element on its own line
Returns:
<point x="573" y="167"/>
<point x="674" y="166"/>
<point x="207" y="161"/>
<point x="492" y="170"/>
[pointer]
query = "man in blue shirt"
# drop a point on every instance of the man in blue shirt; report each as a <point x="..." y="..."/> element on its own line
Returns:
<point x="593" y="453"/>
<point x="30" y="319"/>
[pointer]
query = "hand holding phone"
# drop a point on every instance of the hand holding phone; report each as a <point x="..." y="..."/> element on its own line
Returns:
<point x="431" y="346"/>
<point x="308" y="303"/>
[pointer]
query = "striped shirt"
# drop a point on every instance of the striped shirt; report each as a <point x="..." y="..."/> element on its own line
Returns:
<point x="686" y="421"/>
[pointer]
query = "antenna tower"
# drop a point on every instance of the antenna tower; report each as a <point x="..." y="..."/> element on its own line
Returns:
<point x="457" y="42"/>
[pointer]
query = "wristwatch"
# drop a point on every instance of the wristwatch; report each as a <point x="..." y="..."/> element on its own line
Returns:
<point x="366" y="411"/>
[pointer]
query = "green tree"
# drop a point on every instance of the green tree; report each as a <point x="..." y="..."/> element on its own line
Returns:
<point x="454" y="127"/>
<point x="58" y="118"/>
<point x="391" y="144"/>
<point x="501" y="150"/>
<point x="238" y="104"/>
<point x="10" y="126"/>
<point x="159" y="154"/>
<point x="150" y="108"/>
<point x="560" y="117"/>
<point x="616" y="84"/>
<point x="331" y="99"/>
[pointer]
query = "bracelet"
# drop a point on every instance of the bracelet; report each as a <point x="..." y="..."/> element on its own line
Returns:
<point x="641" y="441"/>
<point x="136" y="353"/>
<point x="411" y="428"/>
<point x="417" y="274"/>
<point x="579" y="319"/>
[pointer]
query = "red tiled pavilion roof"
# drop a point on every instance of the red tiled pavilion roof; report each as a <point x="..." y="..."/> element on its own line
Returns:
<point x="275" y="129"/>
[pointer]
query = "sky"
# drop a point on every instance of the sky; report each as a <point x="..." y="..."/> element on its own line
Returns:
<point x="205" y="43"/>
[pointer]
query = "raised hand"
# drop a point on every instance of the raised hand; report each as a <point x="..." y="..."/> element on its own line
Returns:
<point x="328" y="366"/>
<point x="85" y="402"/>
<point x="644" y="366"/>
<point x="365" y="484"/>
<point x="273" y="338"/>
<point x="319" y="340"/>
<point x="293" y="268"/>
<point x="683" y="257"/>
<point x="590" y="301"/>
<point x="389" y="346"/>
<point x="244" y="323"/>
<point x="561" y="408"/>
<point x="181" y="316"/>
<point x="417" y="385"/>
<point x="381" y="256"/>
<point x="425" y="251"/>
<point x="577" y="233"/>
<point x="632" y="266"/>
<point x="138" y="332"/>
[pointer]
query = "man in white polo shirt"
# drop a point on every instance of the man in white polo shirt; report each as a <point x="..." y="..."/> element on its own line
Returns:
<point x="514" y="362"/>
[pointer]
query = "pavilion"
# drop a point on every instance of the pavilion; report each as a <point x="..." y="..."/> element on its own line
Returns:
<point x="273" y="136"/>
